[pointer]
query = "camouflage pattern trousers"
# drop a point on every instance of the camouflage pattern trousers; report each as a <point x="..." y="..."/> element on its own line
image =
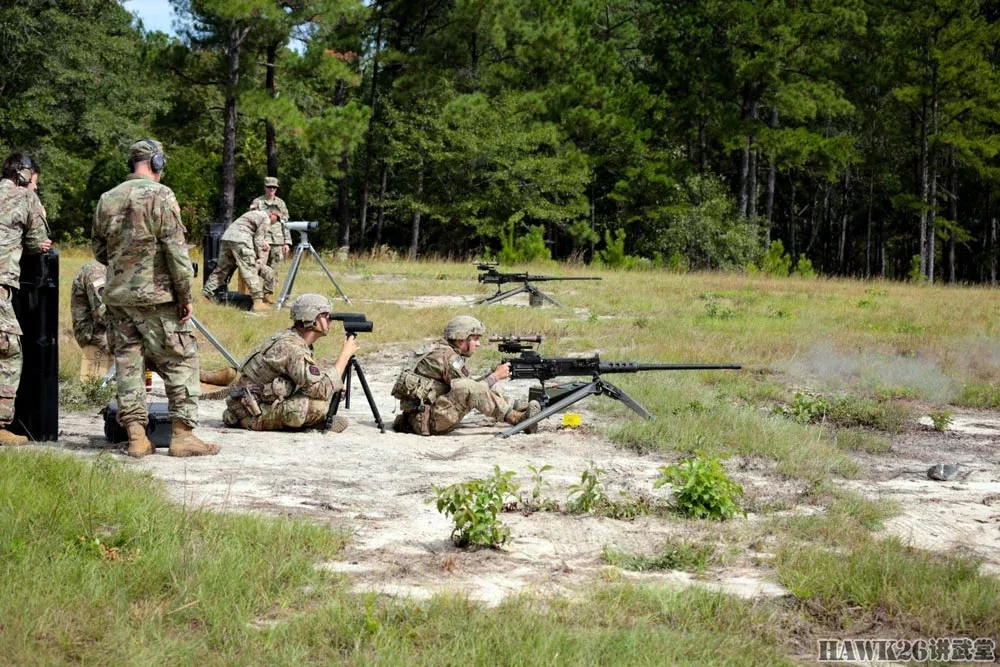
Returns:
<point x="240" y="256"/>
<point x="465" y="396"/>
<point x="276" y="256"/>
<point x="156" y="333"/>
<point x="295" y="411"/>
<point x="10" y="374"/>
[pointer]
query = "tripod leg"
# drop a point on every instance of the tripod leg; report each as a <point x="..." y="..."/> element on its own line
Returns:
<point x="218" y="346"/>
<point x="542" y="295"/>
<point x="290" y="278"/>
<point x="500" y="296"/>
<point x="368" y="394"/>
<point x="328" y="274"/>
<point x="616" y="393"/>
<point x="589" y="389"/>
<point x="346" y="381"/>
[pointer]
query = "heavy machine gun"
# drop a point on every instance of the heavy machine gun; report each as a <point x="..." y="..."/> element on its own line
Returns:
<point x="490" y="276"/>
<point x="529" y="364"/>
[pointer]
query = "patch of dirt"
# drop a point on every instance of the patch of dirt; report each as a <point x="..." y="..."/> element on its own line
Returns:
<point x="377" y="486"/>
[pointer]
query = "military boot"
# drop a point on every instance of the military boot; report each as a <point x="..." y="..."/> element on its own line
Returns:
<point x="183" y="442"/>
<point x="8" y="439"/>
<point x="269" y="299"/>
<point x="259" y="306"/>
<point x="138" y="444"/>
<point x="339" y="424"/>
<point x="218" y="378"/>
<point x="515" y="417"/>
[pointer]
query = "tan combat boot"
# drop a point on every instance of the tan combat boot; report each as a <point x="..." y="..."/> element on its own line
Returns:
<point x="269" y="299"/>
<point x="218" y="378"/>
<point x="138" y="444"/>
<point x="515" y="417"/>
<point x="8" y="439"/>
<point x="259" y="306"/>
<point x="183" y="442"/>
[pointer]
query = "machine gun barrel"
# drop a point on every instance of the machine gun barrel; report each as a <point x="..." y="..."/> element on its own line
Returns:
<point x="530" y="365"/>
<point x="536" y="338"/>
<point x="630" y="367"/>
<point x="492" y="277"/>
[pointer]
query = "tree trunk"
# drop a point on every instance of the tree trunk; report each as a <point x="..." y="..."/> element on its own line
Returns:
<point x="791" y="217"/>
<point x="343" y="184"/>
<point x="772" y="175"/>
<point x="415" y="222"/>
<point x="868" y="226"/>
<point x="953" y="235"/>
<point x="924" y="187"/>
<point x="381" y="207"/>
<point x="842" y="244"/>
<point x="270" y="139"/>
<point x="370" y="142"/>
<point x="932" y="196"/>
<point x="227" y="194"/>
<point x="749" y="115"/>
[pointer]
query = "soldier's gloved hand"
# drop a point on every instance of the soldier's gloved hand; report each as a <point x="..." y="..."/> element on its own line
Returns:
<point x="502" y="372"/>
<point x="282" y="387"/>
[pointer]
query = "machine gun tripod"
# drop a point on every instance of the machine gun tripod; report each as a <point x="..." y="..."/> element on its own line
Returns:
<point x="354" y="323"/>
<point x="490" y="276"/>
<point x="303" y="228"/>
<point x="531" y="365"/>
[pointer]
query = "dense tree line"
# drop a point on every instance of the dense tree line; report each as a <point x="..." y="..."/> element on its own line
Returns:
<point x="862" y="134"/>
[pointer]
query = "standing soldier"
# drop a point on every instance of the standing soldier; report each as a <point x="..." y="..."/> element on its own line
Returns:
<point x="245" y="247"/>
<point x="22" y="228"/>
<point x="280" y="239"/>
<point x="139" y="236"/>
<point x="280" y="385"/>
<point x="437" y="391"/>
<point x="90" y="327"/>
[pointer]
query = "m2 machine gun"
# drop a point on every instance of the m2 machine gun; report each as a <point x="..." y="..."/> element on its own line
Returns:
<point x="490" y="276"/>
<point x="531" y="365"/>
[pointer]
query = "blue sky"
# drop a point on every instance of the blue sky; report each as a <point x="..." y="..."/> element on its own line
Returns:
<point x="155" y="14"/>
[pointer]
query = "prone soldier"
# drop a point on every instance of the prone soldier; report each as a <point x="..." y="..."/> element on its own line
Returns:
<point x="23" y="227"/>
<point x="279" y="238"/>
<point x="437" y="391"/>
<point x="245" y="247"/>
<point x="138" y="234"/>
<point x="281" y="386"/>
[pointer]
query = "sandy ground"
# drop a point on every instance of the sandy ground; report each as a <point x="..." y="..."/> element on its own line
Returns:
<point x="377" y="486"/>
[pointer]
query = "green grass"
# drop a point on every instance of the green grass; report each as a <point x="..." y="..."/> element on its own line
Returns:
<point x="674" y="555"/>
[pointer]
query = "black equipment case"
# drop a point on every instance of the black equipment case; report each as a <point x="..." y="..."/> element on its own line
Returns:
<point x="158" y="428"/>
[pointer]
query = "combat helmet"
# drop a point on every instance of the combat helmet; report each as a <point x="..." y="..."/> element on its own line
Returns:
<point x="307" y="308"/>
<point x="463" y="326"/>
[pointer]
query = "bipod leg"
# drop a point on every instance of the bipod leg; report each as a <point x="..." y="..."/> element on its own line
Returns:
<point x="290" y="277"/>
<point x="616" y="393"/>
<point x="368" y="393"/>
<point x="212" y="339"/>
<point x="534" y="291"/>
<point x="500" y="296"/>
<point x="583" y="392"/>
<point x="328" y="274"/>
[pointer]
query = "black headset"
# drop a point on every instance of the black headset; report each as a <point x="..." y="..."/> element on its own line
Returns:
<point x="26" y="165"/>
<point x="156" y="161"/>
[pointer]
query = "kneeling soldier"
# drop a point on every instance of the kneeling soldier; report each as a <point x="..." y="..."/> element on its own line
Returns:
<point x="437" y="392"/>
<point x="281" y="386"/>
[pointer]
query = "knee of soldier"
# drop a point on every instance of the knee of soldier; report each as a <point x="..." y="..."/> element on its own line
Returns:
<point x="294" y="412"/>
<point x="266" y="272"/>
<point x="465" y="388"/>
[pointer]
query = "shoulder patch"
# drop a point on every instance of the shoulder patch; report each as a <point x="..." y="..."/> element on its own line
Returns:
<point x="314" y="370"/>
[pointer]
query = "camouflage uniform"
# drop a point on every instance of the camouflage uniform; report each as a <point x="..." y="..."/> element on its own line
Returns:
<point x="139" y="236"/>
<point x="244" y="247"/>
<point x="23" y="227"/>
<point x="455" y="393"/>
<point x="86" y="305"/>
<point x="286" y="384"/>
<point x="278" y="236"/>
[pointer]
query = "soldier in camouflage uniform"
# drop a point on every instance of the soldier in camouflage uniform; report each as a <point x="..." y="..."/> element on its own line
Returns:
<point x="245" y="247"/>
<point x="437" y="391"/>
<point x="279" y="238"/>
<point x="281" y="386"/>
<point x="139" y="236"/>
<point x="23" y="227"/>
<point x="90" y="329"/>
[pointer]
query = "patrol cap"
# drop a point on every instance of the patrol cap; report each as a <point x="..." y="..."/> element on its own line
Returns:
<point x="308" y="307"/>
<point x="270" y="182"/>
<point x="463" y="326"/>
<point x="144" y="149"/>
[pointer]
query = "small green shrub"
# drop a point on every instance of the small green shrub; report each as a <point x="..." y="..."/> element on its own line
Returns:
<point x="719" y="311"/>
<point x="535" y="502"/>
<point x="590" y="494"/>
<point x="530" y="247"/>
<point x="702" y="489"/>
<point x="474" y="507"/>
<point x="805" y="408"/>
<point x="614" y="256"/>
<point x="777" y="262"/>
<point x="804" y="268"/>
<point x="941" y="419"/>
